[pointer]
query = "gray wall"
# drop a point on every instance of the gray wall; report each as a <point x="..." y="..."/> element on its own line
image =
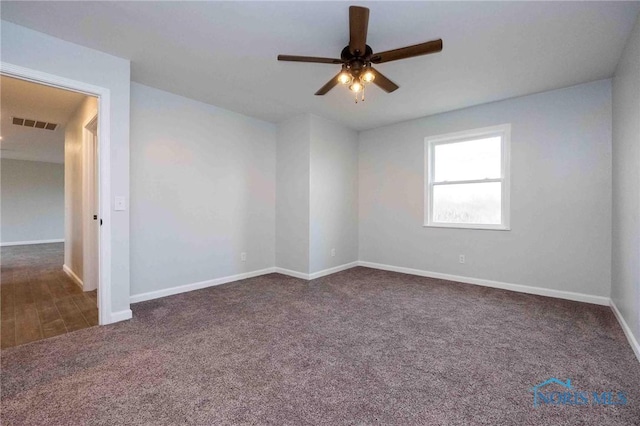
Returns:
<point x="317" y="193"/>
<point x="333" y="222"/>
<point x="37" y="51"/>
<point x="625" y="285"/>
<point x="32" y="201"/>
<point x="292" y="194"/>
<point x="203" y="191"/>
<point x="560" y="194"/>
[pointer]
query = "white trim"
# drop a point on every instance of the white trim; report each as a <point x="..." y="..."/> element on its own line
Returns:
<point x="120" y="316"/>
<point x="291" y="273"/>
<point x="318" y="274"/>
<point x="197" y="286"/>
<point x="559" y="294"/>
<point x="76" y="279"/>
<point x="90" y="191"/>
<point x="104" y="209"/>
<point x="136" y="298"/>
<point x="104" y="164"/>
<point x="627" y="330"/>
<point x="333" y="270"/>
<point x="502" y="130"/>
<point x="462" y="182"/>
<point x="468" y="226"/>
<point x="28" y="243"/>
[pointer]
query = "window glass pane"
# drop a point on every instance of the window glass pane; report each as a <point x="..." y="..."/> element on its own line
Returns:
<point x="469" y="160"/>
<point x="476" y="203"/>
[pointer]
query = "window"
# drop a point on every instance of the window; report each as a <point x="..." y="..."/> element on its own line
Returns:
<point x="467" y="184"/>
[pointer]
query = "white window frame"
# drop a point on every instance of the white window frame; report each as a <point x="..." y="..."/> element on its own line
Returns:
<point x="504" y="132"/>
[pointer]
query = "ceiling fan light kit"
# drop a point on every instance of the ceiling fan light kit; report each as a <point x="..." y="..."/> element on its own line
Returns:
<point x="357" y="58"/>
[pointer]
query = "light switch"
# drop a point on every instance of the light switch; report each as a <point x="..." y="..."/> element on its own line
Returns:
<point x="120" y="204"/>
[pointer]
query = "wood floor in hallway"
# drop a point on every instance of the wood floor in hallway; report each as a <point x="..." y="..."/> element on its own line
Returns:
<point x="37" y="299"/>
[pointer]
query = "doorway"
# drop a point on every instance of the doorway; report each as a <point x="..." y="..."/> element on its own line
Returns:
<point x="50" y="184"/>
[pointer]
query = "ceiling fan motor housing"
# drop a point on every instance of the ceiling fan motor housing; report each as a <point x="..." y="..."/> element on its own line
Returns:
<point x="354" y="63"/>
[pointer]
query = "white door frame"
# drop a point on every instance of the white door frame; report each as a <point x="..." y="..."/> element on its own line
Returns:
<point x="104" y="173"/>
<point x="90" y="241"/>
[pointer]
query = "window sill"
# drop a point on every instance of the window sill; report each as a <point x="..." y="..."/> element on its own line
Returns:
<point x="463" y="226"/>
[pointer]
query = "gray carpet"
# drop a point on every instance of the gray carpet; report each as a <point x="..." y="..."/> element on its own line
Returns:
<point x="358" y="347"/>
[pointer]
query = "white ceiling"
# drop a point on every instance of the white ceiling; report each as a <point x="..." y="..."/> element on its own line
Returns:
<point x="24" y="99"/>
<point x="224" y="53"/>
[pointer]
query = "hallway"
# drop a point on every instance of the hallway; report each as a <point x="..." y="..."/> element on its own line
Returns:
<point x="38" y="300"/>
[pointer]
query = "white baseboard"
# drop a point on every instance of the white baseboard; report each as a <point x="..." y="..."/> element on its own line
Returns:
<point x="559" y="294"/>
<point x="120" y="316"/>
<point x="223" y="280"/>
<point x="333" y="270"/>
<point x="291" y="273"/>
<point x="28" y="243"/>
<point x="197" y="286"/>
<point x="76" y="279"/>
<point x="318" y="274"/>
<point x="627" y="330"/>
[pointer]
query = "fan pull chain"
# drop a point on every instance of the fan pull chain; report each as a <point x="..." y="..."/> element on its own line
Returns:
<point x="361" y="97"/>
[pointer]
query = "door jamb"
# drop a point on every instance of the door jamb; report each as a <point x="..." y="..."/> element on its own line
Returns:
<point x="90" y="132"/>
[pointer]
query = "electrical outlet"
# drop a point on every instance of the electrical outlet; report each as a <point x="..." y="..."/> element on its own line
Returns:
<point x="461" y="259"/>
<point x="333" y="252"/>
<point x="243" y="256"/>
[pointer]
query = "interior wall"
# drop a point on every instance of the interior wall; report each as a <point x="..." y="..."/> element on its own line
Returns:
<point x="333" y="175"/>
<point x="30" y="49"/>
<point x="560" y="235"/>
<point x="625" y="285"/>
<point x="32" y="201"/>
<point x="292" y="193"/>
<point x="203" y="191"/>
<point x="317" y="193"/>
<point x="73" y="170"/>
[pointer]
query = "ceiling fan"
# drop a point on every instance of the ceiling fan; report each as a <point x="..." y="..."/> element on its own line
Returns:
<point x="357" y="57"/>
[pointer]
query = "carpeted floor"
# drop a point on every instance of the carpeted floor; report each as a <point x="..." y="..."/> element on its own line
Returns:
<point x="358" y="347"/>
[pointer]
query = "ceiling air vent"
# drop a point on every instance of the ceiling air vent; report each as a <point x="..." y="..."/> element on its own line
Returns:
<point x="27" y="122"/>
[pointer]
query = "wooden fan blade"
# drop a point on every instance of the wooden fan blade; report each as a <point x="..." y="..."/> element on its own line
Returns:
<point x="408" y="52"/>
<point x="330" y="85"/>
<point x="293" y="58"/>
<point x="383" y="82"/>
<point x="358" y="24"/>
